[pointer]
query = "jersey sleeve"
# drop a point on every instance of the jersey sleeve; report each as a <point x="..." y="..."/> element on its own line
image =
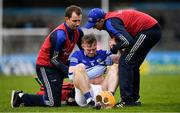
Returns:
<point x="105" y="56"/>
<point x="116" y="28"/>
<point x="58" y="39"/>
<point x="74" y="59"/>
<point x="108" y="60"/>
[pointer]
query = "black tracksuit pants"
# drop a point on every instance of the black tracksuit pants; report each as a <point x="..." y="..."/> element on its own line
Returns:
<point x="130" y="61"/>
<point x="52" y="80"/>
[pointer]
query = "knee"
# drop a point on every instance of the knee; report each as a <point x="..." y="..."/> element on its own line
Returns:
<point x="80" y="67"/>
<point x="53" y="102"/>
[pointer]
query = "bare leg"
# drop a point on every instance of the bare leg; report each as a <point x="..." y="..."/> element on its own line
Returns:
<point x="110" y="83"/>
<point x="81" y="80"/>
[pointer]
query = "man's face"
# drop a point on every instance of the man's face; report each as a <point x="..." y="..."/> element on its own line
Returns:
<point x="74" y="21"/>
<point x="99" y="24"/>
<point x="90" y="49"/>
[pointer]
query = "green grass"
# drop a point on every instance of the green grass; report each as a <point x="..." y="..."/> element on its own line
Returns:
<point x="158" y="94"/>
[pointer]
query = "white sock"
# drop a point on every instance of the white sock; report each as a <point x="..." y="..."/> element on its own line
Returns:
<point x="89" y="100"/>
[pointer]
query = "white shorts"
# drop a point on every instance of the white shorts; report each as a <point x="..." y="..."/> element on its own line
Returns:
<point x="80" y="99"/>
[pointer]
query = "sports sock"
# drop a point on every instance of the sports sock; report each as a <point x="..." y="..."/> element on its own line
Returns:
<point x="88" y="97"/>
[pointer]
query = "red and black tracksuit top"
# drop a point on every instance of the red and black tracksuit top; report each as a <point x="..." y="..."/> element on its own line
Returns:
<point x="124" y="25"/>
<point x="134" y="21"/>
<point x="48" y="51"/>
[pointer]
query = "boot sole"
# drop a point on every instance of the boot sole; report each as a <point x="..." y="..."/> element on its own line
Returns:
<point x="12" y="98"/>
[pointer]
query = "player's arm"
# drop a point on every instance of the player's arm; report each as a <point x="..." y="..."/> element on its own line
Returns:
<point x="115" y="58"/>
<point x="106" y="56"/>
<point x="124" y="39"/>
<point x="96" y="71"/>
<point x="58" y="39"/>
<point x="110" y="58"/>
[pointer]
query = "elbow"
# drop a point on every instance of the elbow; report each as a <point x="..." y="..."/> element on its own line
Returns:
<point x="131" y="42"/>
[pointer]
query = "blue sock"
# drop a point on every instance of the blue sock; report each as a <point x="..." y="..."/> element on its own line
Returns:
<point x="87" y="95"/>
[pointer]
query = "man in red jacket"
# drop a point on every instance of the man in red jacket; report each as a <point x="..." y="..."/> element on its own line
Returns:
<point x="52" y="61"/>
<point x="134" y="32"/>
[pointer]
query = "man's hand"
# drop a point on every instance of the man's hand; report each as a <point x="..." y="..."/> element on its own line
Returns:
<point x="115" y="58"/>
<point x="112" y="42"/>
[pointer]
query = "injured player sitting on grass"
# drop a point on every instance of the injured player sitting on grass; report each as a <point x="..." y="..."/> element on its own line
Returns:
<point x="87" y="70"/>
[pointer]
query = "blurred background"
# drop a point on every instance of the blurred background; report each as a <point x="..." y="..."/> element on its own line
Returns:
<point x="24" y="24"/>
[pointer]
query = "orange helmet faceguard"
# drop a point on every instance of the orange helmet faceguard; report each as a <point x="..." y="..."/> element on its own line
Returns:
<point x="105" y="99"/>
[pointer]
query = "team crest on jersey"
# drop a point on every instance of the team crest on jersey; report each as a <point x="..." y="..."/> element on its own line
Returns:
<point x="98" y="60"/>
<point x="92" y="62"/>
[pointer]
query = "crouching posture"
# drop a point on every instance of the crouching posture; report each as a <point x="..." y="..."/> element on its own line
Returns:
<point x="52" y="62"/>
<point x="87" y="69"/>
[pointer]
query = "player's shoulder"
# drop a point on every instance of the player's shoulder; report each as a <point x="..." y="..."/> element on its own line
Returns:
<point x="58" y="32"/>
<point x="78" y="53"/>
<point x="104" y="52"/>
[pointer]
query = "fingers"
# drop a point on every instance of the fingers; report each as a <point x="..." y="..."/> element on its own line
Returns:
<point x="112" y="42"/>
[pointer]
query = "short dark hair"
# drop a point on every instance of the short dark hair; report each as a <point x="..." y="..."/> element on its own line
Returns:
<point x="73" y="8"/>
<point x="89" y="39"/>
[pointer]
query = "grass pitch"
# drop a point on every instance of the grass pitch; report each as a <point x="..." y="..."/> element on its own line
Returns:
<point x="159" y="93"/>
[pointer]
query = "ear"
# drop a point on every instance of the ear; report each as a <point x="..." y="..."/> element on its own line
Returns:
<point x="82" y="45"/>
<point x="66" y="18"/>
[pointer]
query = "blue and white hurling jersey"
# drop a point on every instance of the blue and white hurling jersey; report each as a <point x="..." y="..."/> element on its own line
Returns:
<point x="95" y="66"/>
